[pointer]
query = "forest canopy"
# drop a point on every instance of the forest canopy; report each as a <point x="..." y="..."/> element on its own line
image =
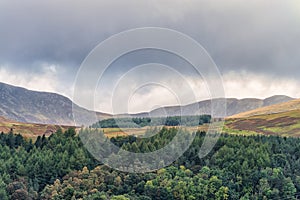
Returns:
<point x="153" y="121"/>
<point x="238" y="167"/>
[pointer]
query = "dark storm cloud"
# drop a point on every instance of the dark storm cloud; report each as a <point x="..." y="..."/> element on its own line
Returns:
<point x="253" y="42"/>
<point x="59" y="31"/>
<point x="258" y="36"/>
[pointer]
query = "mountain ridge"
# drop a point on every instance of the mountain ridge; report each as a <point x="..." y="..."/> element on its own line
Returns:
<point x="233" y="105"/>
<point x="23" y="105"/>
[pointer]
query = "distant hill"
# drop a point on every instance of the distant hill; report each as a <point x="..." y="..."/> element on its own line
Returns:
<point x="22" y="105"/>
<point x="234" y="106"/>
<point x="277" y="108"/>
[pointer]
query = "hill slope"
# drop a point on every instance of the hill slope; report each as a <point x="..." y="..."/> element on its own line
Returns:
<point x="27" y="129"/>
<point x="280" y="119"/>
<point x="22" y="105"/>
<point x="234" y="106"/>
<point x="283" y="123"/>
<point x="277" y="108"/>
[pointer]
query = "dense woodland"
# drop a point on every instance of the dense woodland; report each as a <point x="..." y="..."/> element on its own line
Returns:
<point x="154" y="121"/>
<point x="239" y="167"/>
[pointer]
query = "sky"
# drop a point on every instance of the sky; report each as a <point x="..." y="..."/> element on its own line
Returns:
<point x="255" y="45"/>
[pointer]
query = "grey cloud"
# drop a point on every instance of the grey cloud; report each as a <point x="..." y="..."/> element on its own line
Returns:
<point x="257" y="37"/>
<point x="60" y="31"/>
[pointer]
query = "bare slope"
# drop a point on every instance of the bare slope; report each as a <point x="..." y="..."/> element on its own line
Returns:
<point x="277" y="108"/>
<point x="285" y="123"/>
<point x="234" y="106"/>
<point x="22" y="105"/>
<point x="28" y="130"/>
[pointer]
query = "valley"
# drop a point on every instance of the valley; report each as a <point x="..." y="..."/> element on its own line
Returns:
<point x="272" y="127"/>
<point x="277" y="115"/>
<point x="149" y="100"/>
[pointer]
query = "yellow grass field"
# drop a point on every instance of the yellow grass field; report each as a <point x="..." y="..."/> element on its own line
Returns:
<point x="29" y="130"/>
<point x="114" y="132"/>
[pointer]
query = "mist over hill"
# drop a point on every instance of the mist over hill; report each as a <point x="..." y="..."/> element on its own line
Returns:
<point x="25" y="105"/>
<point x="234" y="106"/>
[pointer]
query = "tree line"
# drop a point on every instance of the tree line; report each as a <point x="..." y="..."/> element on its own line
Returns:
<point x="155" y="121"/>
<point x="238" y="167"/>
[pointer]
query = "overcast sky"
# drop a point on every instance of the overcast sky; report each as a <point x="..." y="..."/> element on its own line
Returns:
<point x="255" y="44"/>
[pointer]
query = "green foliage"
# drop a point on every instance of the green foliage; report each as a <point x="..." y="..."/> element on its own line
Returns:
<point x="156" y="121"/>
<point x="254" y="167"/>
<point x="238" y="167"/>
<point x="26" y="168"/>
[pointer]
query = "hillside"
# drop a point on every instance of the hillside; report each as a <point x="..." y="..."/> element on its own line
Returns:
<point x="22" y="105"/>
<point x="234" y="106"/>
<point x="277" y="108"/>
<point x="280" y="119"/>
<point x="28" y="129"/>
